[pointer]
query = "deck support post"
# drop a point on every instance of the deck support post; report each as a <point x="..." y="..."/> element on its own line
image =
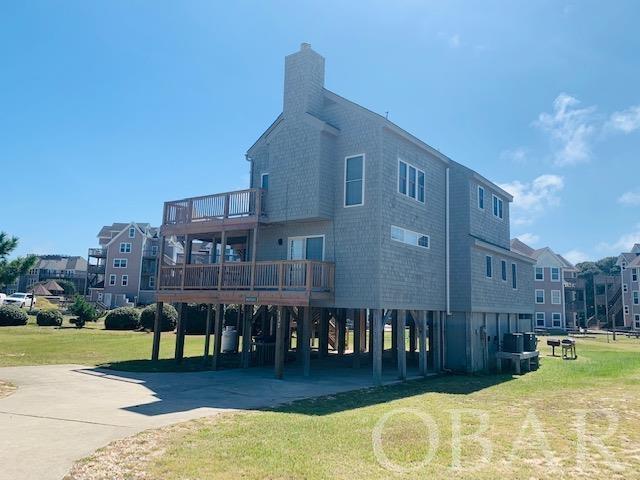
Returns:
<point x="180" y="328"/>
<point x="245" y="356"/>
<point x="280" y="343"/>
<point x="306" y="339"/>
<point x="217" y="337"/>
<point x="435" y="341"/>
<point x="421" y="326"/>
<point x="323" y="334"/>
<point x="394" y="336"/>
<point x="377" y="330"/>
<point x="357" y="332"/>
<point x="401" y="346"/>
<point x="412" y="336"/>
<point x="341" y="330"/>
<point x="207" y="332"/>
<point x="157" y="330"/>
<point x="370" y="345"/>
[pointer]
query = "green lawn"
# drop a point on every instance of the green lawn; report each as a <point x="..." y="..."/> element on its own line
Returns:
<point x="332" y="437"/>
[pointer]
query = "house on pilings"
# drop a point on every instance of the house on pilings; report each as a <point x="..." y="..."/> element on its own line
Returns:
<point x="350" y="223"/>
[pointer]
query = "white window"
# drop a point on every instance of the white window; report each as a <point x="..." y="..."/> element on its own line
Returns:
<point x="540" y="319"/>
<point x="556" y="319"/>
<point x="354" y="181"/>
<point x="488" y="265"/>
<point x="503" y="272"/>
<point x="264" y="181"/>
<point x="555" y="274"/>
<point x="125" y="247"/>
<point x="498" y="207"/>
<point x="625" y="288"/>
<point x="119" y="263"/>
<point x="539" y="296"/>
<point x="539" y="274"/>
<point x="132" y="232"/>
<point x="514" y="276"/>
<point x="556" y="297"/>
<point x="409" y="237"/>
<point x="152" y="282"/>
<point x="125" y="280"/>
<point x="634" y="274"/>
<point x="411" y="181"/>
<point x="480" y="197"/>
<point x="636" y="298"/>
<point x="306" y="248"/>
<point x="112" y="279"/>
<point x="637" y="320"/>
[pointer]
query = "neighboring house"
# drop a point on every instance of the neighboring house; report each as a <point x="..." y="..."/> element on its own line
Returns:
<point x="559" y="295"/>
<point x="122" y="271"/>
<point x="53" y="267"/>
<point x="347" y="214"/>
<point x="629" y="264"/>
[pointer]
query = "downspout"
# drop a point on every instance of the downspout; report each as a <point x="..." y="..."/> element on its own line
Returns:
<point x="447" y="245"/>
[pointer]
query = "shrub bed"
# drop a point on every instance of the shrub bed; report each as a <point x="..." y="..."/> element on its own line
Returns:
<point x="196" y="319"/>
<point x="122" y="318"/>
<point x="49" y="318"/>
<point x="169" y="317"/>
<point x="11" y="316"/>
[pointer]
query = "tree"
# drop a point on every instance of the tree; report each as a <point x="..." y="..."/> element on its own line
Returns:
<point x="12" y="269"/>
<point x="68" y="286"/>
<point x="83" y="310"/>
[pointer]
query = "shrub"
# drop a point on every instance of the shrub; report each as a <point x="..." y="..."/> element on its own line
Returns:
<point x="122" y="318"/>
<point x="49" y="318"/>
<point x="196" y="319"/>
<point x="83" y="310"/>
<point x="11" y="316"/>
<point x="169" y="317"/>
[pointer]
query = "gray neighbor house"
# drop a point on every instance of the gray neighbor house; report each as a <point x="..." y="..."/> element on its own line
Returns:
<point x="349" y="219"/>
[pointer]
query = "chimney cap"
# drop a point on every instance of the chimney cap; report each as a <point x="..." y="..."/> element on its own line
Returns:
<point x="305" y="46"/>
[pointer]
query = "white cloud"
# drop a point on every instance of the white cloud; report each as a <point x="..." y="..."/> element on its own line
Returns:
<point x="625" y="121"/>
<point x="629" y="198"/>
<point x="454" y="40"/>
<point x="576" y="256"/>
<point x="530" y="239"/>
<point x="571" y="130"/>
<point x="532" y="199"/>
<point x="517" y="155"/>
<point x="623" y="243"/>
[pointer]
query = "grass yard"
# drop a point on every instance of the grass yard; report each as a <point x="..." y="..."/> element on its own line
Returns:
<point x="532" y="425"/>
<point x="92" y="345"/>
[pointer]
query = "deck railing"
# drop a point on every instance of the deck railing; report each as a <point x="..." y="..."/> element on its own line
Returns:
<point x="216" y="207"/>
<point x="97" y="252"/>
<point x="278" y="275"/>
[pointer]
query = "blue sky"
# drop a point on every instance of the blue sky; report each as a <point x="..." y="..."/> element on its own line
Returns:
<point x="109" y="108"/>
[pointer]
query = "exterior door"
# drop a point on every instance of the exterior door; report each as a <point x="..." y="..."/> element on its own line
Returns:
<point x="306" y="248"/>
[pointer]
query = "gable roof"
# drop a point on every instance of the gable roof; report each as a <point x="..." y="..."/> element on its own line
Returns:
<point x="61" y="262"/>
<point x="519" y="246"/>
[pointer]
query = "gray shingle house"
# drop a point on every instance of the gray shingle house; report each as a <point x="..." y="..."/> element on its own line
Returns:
<point x="351" y="220"/>
<point x="53" y="267"/>
<point x="629" y="263"/>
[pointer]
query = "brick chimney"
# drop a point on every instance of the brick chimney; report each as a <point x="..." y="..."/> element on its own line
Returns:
<point x="303" y="82"/>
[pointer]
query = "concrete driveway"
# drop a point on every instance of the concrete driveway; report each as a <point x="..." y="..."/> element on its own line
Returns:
<point x="61" y="413"/>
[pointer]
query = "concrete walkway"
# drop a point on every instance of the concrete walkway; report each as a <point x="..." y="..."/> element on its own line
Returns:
<point x="61" y="413"/>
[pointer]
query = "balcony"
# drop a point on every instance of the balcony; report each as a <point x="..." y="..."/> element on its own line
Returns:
<point x="210" y="213"/>
<point x="289" y="282"/>
<point x="98" y="252"/>
<point x="96" y="269"/>
<point x="150" y="252"/>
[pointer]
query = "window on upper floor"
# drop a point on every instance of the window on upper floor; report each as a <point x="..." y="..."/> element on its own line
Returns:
<point x="488" y="263"/>
<point x="480" y="197"/>
<point x="498" y="207"/>
<point x="125" y="247"/>
<point x="503" y="270"/>
<point x="132" y="232"/>
<point x="539" y="319"/>
<point x="555" y="274"/>
<point x="411" y="181"/>
<point x="514" y="275"/>
<point x="636" y="298"/>
<point x="409" y="237"/>
<point x="264" y="181"/>
<point x="125" y="280"/>
<point x="556" y="297"/>
<point x="154" y="249"/>
<point x="119" y="263"/>
<point x="112" y="279"/>
<point x="634" y="274"/>
<point x="354" y="181"/>
<point x="539" y="296"/>
<point x="539" y="273"/>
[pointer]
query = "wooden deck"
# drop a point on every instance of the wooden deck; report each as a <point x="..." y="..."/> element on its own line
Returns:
<point x="242" y="209"/>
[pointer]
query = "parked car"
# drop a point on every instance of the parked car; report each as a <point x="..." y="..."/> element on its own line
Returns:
<point x="20" y="299"/>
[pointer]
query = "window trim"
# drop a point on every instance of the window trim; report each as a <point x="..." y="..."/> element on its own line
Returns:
<point x="132" y="230"/>
<point x="634" y="274"/>
<point x="504" y="275"/>
<point x="514" y="276"/>
<point x="535" y="274"/>
<point x="152" y="281"/>
<point x="481" y="189"/>
<point x="553" y="319"/>
<point x="124" y="244"/>
<point x="305" y="237"/>
<point x="635" y="297"/>
<point x="551" y="269"/>
<point x="262" y="175"/>
<point x="536" y="296"/>
<point x="488" y="266"/>
<point x="419" y="234"/>
<point x="124" y="280"/>
<point x="636" y="320"/>
<point x="495" y="197"/>
<point x="344" y="200"/>
<point x="544" y="319"/>
<point x="417" y="186"/>
<point x="120" y="260"/>
<point x="559" y="302"/>
<point x="113" y="279"/>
